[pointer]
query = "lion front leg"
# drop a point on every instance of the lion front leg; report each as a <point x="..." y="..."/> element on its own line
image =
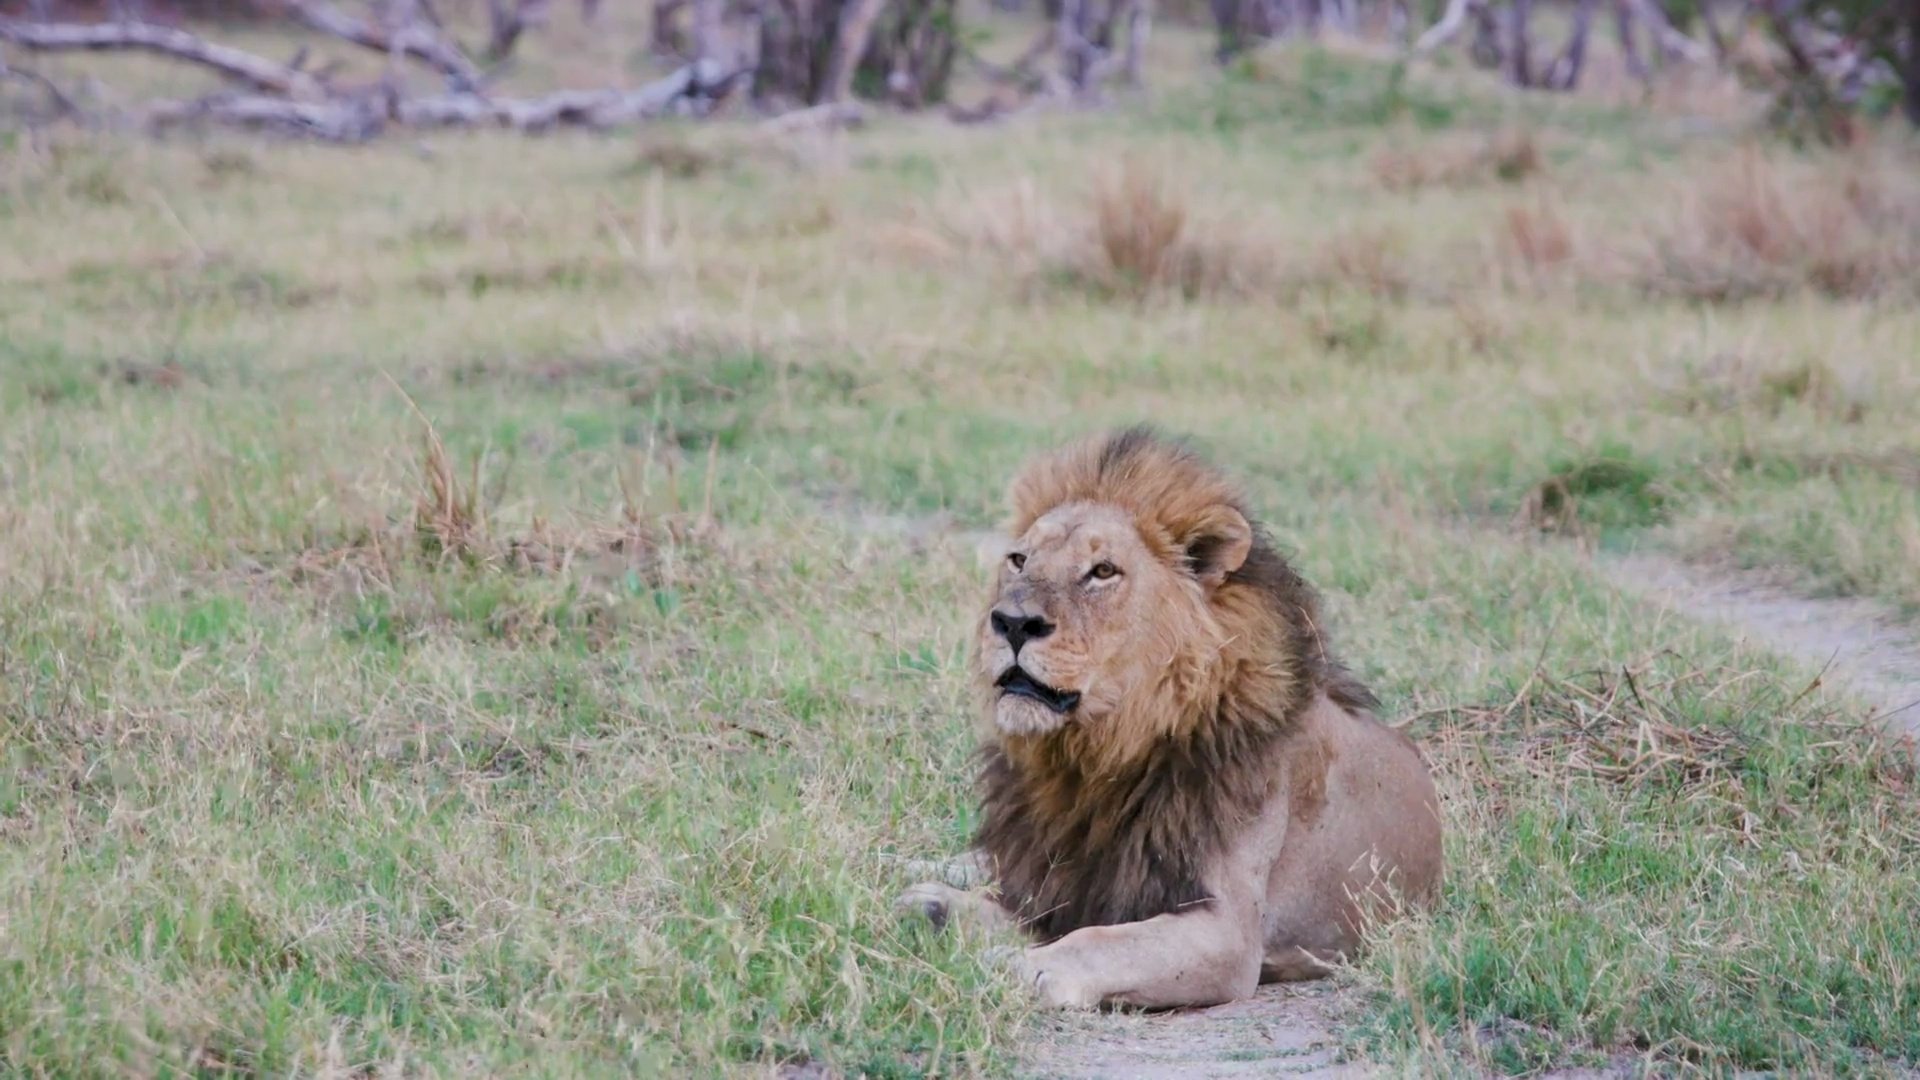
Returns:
<point x="1206" y="956"/>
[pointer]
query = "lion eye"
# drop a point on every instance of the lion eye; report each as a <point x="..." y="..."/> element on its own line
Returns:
<point x="1103" y="570"/>
<point x="1017" y="561"/>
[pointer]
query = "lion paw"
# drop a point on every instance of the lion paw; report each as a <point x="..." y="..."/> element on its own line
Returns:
<point x="930" y="900"/>
<point x="1057" y="986"/>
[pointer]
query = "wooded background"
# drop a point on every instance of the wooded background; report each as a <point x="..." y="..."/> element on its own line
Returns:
<point x="817" y="61"/>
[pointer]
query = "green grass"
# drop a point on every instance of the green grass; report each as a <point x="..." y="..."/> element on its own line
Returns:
<point x="584" y="763"/>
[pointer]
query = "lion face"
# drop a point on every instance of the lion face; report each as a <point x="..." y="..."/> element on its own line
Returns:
<point x="1093" y="618"/>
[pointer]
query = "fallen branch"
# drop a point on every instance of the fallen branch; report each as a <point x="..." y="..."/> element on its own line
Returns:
<point x="1449" y="25"/>
<point x="340" y="120"/>
<point x="416" y="40"/>
<point x="1671" y="41"/>
<point x="62" y="104"/>
<point x="242" y="67"/>
<point x="358" y="119"/>
<point x="566" y="108"/>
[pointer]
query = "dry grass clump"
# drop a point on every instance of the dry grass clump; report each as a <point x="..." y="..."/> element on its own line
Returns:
<point x="1849" y="229"/>
<point x="1372" y="260"/>
<point x="1509" y="155"/>
<point x="451" y="519"/>
<point x="1145" y="240"/>
<point x="1763" y="383"/>
<point x="1538" y="237"/>
<point x="1640" y="728"/>
<point x="1010" y="223"/>
<point x="1138" y="223"/>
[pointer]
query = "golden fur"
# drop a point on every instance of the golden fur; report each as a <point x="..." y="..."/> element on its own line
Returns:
<point x="1188" y="685"/>
<point x="1183" y="793"/>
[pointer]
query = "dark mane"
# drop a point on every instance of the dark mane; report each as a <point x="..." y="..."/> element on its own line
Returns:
<point x="1072" y="850"/>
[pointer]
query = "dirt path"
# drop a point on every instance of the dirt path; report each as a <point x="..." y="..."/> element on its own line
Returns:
<point x="1865" y="650"/>
<point x="1282" y="1031"/>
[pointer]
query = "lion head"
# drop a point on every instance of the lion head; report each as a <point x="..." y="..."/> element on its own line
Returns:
<point x="1144" y="655"/>
<point x="1122" y="605"/>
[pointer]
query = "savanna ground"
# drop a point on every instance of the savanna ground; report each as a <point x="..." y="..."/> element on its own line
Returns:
<point x="487" y="605"/>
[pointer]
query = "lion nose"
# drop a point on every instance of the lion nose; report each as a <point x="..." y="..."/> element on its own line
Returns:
<point x="1018" y="627"/>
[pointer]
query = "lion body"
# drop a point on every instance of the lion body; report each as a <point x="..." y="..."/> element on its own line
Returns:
<point x="1183" y="792"/>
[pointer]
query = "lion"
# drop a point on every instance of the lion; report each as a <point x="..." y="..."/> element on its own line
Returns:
<point x="1183" y="793"/>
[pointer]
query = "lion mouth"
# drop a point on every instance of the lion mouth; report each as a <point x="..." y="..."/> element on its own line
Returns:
<point x="1016" y="682"/>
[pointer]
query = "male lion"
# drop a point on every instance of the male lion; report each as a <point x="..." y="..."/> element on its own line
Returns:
<point x="1184" y="794"/>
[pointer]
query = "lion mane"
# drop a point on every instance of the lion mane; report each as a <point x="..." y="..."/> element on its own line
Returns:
<point x="1115" y="822"/>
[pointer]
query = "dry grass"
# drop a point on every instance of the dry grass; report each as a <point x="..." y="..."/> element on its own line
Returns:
<point x="1508" y="155"/>
<point x="1758" y="228"/>
<point x="562" y="737"/>
<point x="1146" y="239"/>
<point x="1538" y="237"/>
<point x="1584" y="794"/>
<point x="1762" y="382"/>
<point x="1138" y="224"/>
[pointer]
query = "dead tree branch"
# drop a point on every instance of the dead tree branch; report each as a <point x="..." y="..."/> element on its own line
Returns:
<point x="1449" y="26"/>
<point x="245" y="68"/>
<point x="63" y="105"/>
<point x="416" y="39"/>
<point x="357" y="119"/>
<point x="1673" y="44"/>
<point x="1518" y="46"/>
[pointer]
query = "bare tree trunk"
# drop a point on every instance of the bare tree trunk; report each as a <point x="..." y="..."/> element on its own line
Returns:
<point x="1521" y="65"/>
<point x="856" y="27"/>
<point x="1629" y="46"/>
<point x="507" y="20"/>
<point x="1229" y="30"/>
<point x="1139" y="26"/>
<point x="1910" y="66"/>
<point x="667" y="40"/>
<point x="1075" y="49"/>
<point x="907" y="46"/>
<point x="1673" y="44"/>
<point x="706" y="29"/>
<point x="1566" y="69"/>
<point x="1486" y="50"/>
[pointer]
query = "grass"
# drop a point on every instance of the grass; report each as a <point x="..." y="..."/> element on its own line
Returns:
<point x="478" y="605"/>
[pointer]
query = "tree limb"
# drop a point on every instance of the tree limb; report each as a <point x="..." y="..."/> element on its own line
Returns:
<point x="1444" y="31"/>
<point x="242" y="67"/>
<point x="358" y="119"/>
<point x="1671" y="41"/>
<point x="415" y="40"/>
<point x="63" y="105"/>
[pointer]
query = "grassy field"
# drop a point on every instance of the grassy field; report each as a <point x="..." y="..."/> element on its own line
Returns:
<point x="487" y="606"/>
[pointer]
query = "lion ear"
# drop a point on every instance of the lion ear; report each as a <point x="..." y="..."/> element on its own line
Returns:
<point x="1217" y="545"/>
